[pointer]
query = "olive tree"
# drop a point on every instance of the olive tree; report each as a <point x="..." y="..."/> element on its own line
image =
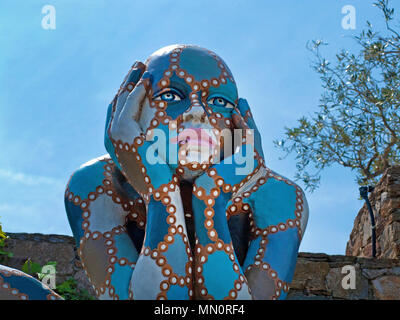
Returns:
<point x="357" y="124"/>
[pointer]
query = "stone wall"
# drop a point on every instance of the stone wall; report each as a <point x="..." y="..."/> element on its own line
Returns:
<point x="317" y="276"/>
<point x="44" y="248"/>
<point x="385" y="201"/>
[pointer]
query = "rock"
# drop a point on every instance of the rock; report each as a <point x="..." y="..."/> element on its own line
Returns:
<point x="310" y="276"/>
<point x="375" y="273"/>
<point x="298" y="295"/>
<point x="319" y="277"/>
<point x="336" y="261"/>
<point x="385" y="200"/>
<point x="371" y="263"/>
<point x="334" y="281"/>
<point x="387" y="287"/>
<point x="42" y="249"/>
<point x="83" y="282"/>
<point x="314" y="256"/>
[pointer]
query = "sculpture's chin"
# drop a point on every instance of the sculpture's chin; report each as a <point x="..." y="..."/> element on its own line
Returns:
<point x="195" y="159"/>
<point x="201" y="157"/>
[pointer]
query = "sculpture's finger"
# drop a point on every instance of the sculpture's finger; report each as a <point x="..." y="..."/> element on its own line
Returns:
<point x="245" y="111"/>
<point x="247" y="117"/>
<point x="242" y="117"/>
<point x="134" y="103"/>
<point x="243" y="106"/>
<point x="133" y="76"/>
<point x="127" y="86"/>
<point x="125" y="127"/>
<point x="238" y="120"/>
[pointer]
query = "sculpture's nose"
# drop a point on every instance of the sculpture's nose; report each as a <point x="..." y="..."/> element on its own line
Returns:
<point x="196" y="114"/>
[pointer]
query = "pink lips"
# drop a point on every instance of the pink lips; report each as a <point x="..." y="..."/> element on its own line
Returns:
<point x="196" y="136"/>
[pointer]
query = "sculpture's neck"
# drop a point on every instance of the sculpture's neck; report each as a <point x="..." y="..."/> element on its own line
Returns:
<point x="186" y="195"/>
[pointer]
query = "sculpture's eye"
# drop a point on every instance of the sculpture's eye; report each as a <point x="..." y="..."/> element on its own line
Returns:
<point x="168" y="96"/>
<point x="220" y="102"/>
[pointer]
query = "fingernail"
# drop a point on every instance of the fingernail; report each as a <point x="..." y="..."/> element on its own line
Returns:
<point x="138" y="65"/>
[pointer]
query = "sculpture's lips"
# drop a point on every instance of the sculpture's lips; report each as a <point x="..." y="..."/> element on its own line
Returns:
<point x="194" y="136"/>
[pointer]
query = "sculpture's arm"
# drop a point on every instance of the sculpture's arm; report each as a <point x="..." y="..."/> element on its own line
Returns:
<point x="278" y="217"/>
<point x="129" y="138"/>
<point x="278" y="213"/>
<point x="16" y="285"/>
<point x="130" y="81"/>
<point x="214" y="193"/>
<point x="162" y="269"/>
<point x="98" y="208"/>
<point x="99" y="205"/>
<point x="219" y="274"/>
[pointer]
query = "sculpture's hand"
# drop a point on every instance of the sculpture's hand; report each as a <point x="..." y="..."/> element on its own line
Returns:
<point x="218" y="273"/>
<point x="129" y="83"/>
<point x="162" y="269"/>
<point x="129" y="138"/>
<point x="278" y="214"/>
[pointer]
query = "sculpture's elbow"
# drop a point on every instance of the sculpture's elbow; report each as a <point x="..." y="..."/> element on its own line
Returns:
<point x="304" y="213"/>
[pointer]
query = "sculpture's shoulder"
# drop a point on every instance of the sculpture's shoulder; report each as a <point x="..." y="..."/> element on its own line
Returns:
<point x="99" y="193"/>
<point x="286" y="187"/>
<point x="276" y="177"/>
<point x="90" y="177"/>
<point x="266" y="178"/>
<point x="97" y="176"/>
<point x="275" y="199"/>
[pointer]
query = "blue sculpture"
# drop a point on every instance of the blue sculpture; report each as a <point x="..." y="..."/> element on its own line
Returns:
<point x="180" y="207"/>
<point x="17" y="285"/>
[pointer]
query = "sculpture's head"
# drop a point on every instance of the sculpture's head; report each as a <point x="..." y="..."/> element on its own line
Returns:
<point x="192" y="99"/>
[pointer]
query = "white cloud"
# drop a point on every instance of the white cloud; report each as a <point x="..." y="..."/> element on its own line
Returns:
<point x="34" y="203"/>
<point x="28" y="179"/>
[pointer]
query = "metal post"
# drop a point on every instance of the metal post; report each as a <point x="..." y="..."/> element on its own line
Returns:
<point x="364" y="194"/>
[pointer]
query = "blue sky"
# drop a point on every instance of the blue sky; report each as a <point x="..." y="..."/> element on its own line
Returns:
<point x="55" y="86"/>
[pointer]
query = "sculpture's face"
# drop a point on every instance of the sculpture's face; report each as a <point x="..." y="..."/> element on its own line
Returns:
<point x="192" y="100"/>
